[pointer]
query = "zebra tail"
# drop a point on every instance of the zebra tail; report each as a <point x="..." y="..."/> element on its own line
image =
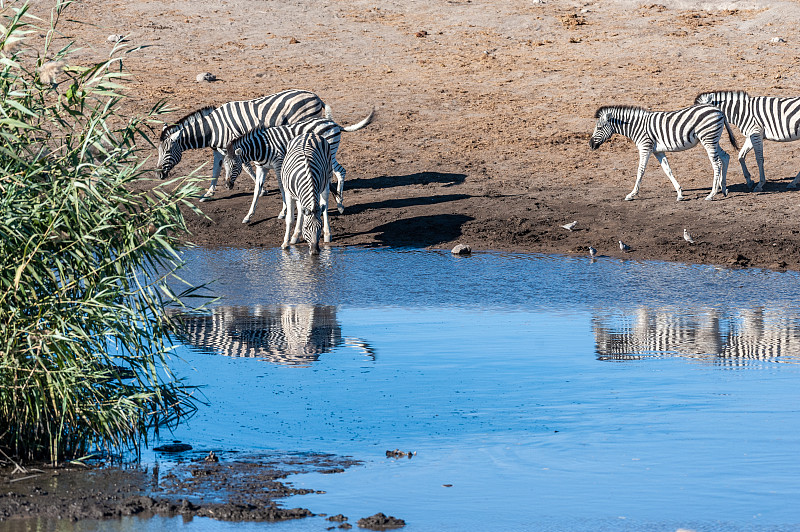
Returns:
<point x="363" y="123"/>
<point x="730" y="135"/>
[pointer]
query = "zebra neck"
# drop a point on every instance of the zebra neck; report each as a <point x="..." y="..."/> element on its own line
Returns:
<point x="630" y="122"/>
<point x="199" y="134"/>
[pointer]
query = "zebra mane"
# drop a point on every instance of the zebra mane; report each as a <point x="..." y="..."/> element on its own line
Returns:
<point x="705" y="97"/>
<point x="610" y="108"/>
<point x="191" y="117"/>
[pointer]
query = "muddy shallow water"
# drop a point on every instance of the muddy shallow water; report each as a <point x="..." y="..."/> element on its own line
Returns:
<point x="538" y="392"/>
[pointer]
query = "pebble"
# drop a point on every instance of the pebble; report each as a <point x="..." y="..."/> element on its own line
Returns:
<point x="777" y="40"/>
<point x="206" y="76"/>
<point x="461" y="249"/>
<point x="115" y="38"/>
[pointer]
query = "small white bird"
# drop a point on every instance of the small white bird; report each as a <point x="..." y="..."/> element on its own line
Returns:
<point x="624" y="247"/>
<point x="570" y="226"/>
<point x="592" y="252"/>
<point x="687" y="237"/>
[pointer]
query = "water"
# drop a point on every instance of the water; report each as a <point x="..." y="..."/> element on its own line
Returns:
<point x="539" y="392"/>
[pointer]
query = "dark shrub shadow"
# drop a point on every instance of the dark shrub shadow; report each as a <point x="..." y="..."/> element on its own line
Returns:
<point x="419" y="178"/>
<point x="422" y="231"/>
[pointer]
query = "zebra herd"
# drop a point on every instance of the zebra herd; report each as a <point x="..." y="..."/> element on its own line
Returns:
<point x="263" y="131"/>
<point x="287" y="132"/>
<point x="655" y="133"/>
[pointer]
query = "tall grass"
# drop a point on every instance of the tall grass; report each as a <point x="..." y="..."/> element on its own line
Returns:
<point x="84" y="258"/>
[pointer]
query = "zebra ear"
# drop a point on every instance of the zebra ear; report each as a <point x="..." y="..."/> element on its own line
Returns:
<point x="238" y="153"/>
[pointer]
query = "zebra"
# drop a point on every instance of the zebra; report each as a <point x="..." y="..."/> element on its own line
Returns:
<point x="656" y="132"/>
<point x="305" y="179"/>
<point x="216" y="127"/>
<point x="758" y="118"/>
<point x="266" y="146"/>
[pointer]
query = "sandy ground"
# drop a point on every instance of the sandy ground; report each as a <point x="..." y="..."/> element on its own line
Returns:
<point x="483" y="115"/>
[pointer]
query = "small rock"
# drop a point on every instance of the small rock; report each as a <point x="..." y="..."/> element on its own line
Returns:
<point x="380" y="521"/>
<point x="777" y="40"/>
<point x="176" y="447"/>
<point x="206" y="76"/>
<point x="421" y="34"/>
<point x="293" y="41"/>
<point x="115" y="38"/>
<point x="338" y="518"/>
<point x="211" y="457"/>
<point x="461" y="249"/>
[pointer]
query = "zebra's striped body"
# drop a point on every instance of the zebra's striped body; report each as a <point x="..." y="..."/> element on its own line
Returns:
<point x="216" y="128"/>
<point x="660" y="132"/>
<point x="758" y="118"/>
<point x="306" y="179"/>
<point x="266" y="147"/>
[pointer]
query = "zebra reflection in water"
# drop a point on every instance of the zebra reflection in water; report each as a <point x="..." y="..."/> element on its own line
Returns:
<point x="292" y="335"/>
<point x="737" y="338"/>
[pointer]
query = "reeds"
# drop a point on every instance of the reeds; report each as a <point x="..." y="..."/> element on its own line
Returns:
<point x="84" y="259"/>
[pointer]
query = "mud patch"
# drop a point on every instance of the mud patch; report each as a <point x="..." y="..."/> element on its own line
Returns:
<point x="235" y="488"/>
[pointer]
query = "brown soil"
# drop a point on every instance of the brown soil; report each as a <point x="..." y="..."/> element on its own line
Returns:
<point x="484" y="111"/>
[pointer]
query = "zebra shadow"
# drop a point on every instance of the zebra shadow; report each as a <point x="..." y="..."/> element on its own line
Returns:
<point x="290" y="335"/>
<point x="421" y="231"/>
<point x="418" y="178"/>
<point x="399" y="203"/>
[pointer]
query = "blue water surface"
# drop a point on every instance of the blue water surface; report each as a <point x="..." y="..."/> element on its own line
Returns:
<point x="538" y="392"/>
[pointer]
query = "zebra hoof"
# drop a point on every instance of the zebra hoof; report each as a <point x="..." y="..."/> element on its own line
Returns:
<point x="629" y="197"/>
<point x="340" y="208"/>
<point x="285" y="246"/>
<point x="246" y="221"/>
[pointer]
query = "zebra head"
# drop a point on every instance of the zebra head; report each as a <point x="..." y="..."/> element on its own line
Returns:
<point x="169" y="151"/>
<point x="312" y="228"/>
<point x="232" y="164"/>
<point x="603" y="129"/>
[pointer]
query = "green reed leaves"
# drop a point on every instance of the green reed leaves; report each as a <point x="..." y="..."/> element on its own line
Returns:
<point x="84" y="257"/>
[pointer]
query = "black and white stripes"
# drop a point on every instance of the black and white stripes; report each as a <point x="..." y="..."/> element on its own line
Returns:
<point x="758" y="118"/>
<point x="216" y="128"/>
<point x="305" y="179"/>
<point x="660" y="132"/>
<point x="266" y="147"/>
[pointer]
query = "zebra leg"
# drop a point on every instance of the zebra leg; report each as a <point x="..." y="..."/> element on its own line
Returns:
<point x="748" y="145"/>
<point x="282" y="214"/>
<point x="794" y="182"/>
<point x="725" y="160"/>
<point x="340" y="172"/>
<point x="715" y="156"/>
<point x="758" y="149"/>
<point x="662" y="160"/>
<point x="644" y="156"/>
<point x="323" y="205"/>
<point x="298" y="225"/>
<point x="259" y="183"/>
<point x="216" y="166"/>
<point x="288" y="204"/>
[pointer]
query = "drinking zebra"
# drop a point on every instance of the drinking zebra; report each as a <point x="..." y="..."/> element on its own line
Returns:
<point x="659" y="132"/>
<point x="758" y="118"/>
<point x="306" y="180"/>
<point x="216" y="127"/>
<point x="266" y="147"/>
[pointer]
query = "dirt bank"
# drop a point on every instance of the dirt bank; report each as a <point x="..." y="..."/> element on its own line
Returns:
<point x="484" y="111"/>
